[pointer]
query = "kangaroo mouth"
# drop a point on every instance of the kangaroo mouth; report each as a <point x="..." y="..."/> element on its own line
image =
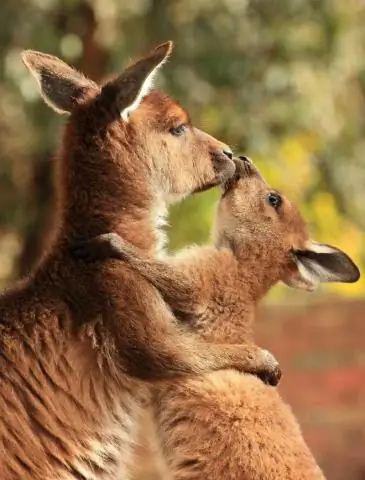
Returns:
<point x="223" y="175"/>
<point x="244" y="168"/>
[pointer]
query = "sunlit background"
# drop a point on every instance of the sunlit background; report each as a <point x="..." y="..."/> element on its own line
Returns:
<point x="282" y="81"/>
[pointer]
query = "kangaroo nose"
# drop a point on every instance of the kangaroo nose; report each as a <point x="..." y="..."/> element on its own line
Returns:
<point x="228" y="152"/>
<point x="245" y="159"/>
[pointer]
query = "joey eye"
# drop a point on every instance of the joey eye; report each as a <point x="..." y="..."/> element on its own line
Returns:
<point x="178" y="131"/>
<point x="274" y="199"/>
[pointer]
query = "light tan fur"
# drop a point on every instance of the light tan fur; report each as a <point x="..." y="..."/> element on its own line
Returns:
<point x="228" y="425"/>
<point x="76" y="341"/>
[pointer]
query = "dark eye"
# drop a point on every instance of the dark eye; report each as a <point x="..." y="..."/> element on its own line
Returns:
<point x="178" y="131"/>
<point x="274" y="199"/>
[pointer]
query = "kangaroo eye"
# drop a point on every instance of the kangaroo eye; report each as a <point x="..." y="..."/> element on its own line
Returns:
<point x="178" y="131"/>
<point x="275" y="200"/>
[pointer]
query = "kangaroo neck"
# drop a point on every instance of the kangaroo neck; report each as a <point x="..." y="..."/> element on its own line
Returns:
<point x="103" y="185"/>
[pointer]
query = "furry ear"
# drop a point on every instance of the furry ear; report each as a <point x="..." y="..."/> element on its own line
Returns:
<point x="60" y="85"/>
<point x="321" y="263"/>
<point x="136" y="81"/>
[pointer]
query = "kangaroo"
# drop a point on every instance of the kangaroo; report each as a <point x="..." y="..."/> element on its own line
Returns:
<point x="77" y="342"/>
<point x="228" y="424"/>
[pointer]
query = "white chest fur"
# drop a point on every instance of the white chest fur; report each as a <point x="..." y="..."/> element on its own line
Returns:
<point x="107" y="454"/>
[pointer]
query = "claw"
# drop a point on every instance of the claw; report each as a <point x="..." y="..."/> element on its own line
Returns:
<point x="270" y="372"/>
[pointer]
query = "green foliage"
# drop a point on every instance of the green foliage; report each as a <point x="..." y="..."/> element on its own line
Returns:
<point x="282" y="81"/>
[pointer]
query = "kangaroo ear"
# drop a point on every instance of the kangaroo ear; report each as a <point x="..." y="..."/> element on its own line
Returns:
<point x="60" y="85"/>
<point x="136" y="81"/>
<point x="321" y="263"/>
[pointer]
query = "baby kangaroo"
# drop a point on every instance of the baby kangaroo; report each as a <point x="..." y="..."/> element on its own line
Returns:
<point x="226" y="424"/>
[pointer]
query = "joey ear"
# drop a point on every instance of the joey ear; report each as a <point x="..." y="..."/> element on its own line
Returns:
<point x="321" y="263"/>
<point x="136" y="81"/>
<point x="60" y="85"/>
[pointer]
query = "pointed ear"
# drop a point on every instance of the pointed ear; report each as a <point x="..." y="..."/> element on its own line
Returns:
<point x="322" y="263"/>
<point x="60" y="85"/>
<point x="136" y="81"/>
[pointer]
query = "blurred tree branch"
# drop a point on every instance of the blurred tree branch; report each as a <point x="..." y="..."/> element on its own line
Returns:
<point x="93" y="63"/>
<point x="282" y="80"/>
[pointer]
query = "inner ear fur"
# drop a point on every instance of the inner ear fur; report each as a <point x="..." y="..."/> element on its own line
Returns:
<point x="325" y="263"/>
<point x="61" y="86"/>
<point x="137" y="79"/>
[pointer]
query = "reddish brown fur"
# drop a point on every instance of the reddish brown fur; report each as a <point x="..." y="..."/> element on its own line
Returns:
<point x="75" y="339"/>
<point x="226" y="424"/>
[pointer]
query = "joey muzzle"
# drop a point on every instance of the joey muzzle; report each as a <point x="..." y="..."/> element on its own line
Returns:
<point x="243" y="168"/>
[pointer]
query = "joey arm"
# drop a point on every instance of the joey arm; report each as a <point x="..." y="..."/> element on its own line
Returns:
<point x="156" y="348"/>
<point x="174" y="354"/>
<point x="181" y="292"/>
<point x="163" y="351"/>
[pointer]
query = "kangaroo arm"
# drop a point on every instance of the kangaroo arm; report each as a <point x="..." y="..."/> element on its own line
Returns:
<point x="162" y="350"/>
<point x="181" y="292"/>
<point x="179" y="355"/>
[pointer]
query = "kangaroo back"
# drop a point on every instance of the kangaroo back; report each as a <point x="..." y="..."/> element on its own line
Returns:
<point x="76" y="339"/>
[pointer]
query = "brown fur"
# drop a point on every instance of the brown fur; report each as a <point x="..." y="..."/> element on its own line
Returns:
<point x="227" y="424"/>
<point x="75" y="340"/>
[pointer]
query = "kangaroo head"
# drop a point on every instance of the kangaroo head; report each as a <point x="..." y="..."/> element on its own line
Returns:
<point x="252" y="215"/>
<point x="150" y="127"/>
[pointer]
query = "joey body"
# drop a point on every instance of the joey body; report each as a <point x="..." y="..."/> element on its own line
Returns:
<point x="78" y="341"/>
<point x="228" y="424"/>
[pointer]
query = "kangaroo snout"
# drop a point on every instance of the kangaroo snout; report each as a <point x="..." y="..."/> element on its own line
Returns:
<point x="221" y="156"/>
<point x="246" y="168"/>
<point x="228" y="152"/>
<point x="224" y="166"/>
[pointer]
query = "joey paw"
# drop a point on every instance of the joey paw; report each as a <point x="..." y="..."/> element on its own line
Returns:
<point x="270" y="371"/>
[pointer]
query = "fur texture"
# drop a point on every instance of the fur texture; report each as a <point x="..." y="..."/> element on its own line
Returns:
<point x="227" y="424"/>
<point x="76" y="340"/>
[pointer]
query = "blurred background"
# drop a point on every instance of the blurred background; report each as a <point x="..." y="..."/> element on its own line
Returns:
<point x="282" y="81"/>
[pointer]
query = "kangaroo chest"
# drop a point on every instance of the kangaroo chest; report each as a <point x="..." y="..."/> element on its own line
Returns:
<point x="108" y="451"/>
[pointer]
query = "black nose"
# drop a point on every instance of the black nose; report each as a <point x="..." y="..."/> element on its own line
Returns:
<point x="245" y="159"/>
<point x="228" y="153"/>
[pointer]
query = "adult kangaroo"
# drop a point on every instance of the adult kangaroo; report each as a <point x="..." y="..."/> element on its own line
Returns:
<point x="76" y="341"/>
